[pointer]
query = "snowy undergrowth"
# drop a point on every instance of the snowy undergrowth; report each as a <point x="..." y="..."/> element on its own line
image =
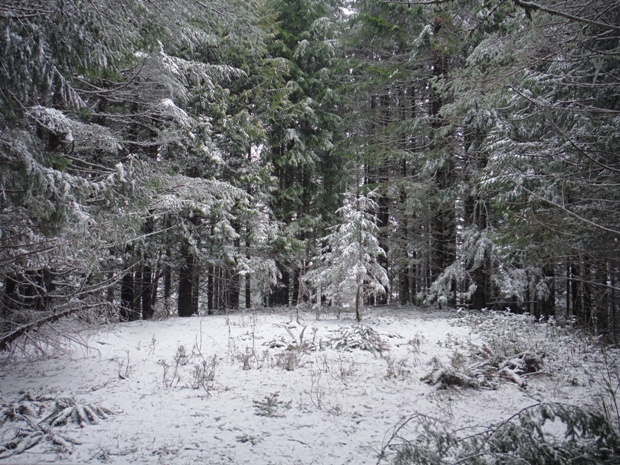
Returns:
<point x="547" y="432"/>
<point x="281" y="387"/>
<point x="568" y="358"/>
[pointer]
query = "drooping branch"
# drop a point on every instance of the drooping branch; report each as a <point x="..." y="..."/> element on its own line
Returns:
<point x="26" y="328"/>
<point x="531" y="6"/>
<point x="526" y="5"/>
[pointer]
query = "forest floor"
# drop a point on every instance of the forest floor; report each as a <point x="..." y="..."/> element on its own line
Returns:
<point x="281" y="387"/>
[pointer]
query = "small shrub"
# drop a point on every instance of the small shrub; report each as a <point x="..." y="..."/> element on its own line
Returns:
<point x="416" y="343"/>
<point x="203" y="374"/>
<point x="396" y="368"/>
<point x="271" y="406"/>
<point x="194" y="367"/>
<point x="359" y="337"/>
<point x="289" y="359"/>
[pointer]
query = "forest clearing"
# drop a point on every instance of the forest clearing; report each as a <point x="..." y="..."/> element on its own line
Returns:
<point x="183" y="183"/>
<point x="281" y="387"/>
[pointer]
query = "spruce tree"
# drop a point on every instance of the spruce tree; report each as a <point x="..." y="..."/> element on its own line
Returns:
<point x="349" y="259"/>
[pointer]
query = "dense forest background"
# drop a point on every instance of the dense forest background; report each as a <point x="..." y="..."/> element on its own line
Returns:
<point x="190" y="156"/>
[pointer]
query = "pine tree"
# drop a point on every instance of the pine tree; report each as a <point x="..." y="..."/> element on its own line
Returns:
<point x="349" y="258"/>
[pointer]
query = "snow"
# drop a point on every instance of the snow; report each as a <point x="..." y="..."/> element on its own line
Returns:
<point x="332" y="406"/>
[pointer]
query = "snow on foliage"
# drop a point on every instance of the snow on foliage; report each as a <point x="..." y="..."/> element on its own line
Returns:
<point x="349" y="258"/>
<point x="84" y="136"/>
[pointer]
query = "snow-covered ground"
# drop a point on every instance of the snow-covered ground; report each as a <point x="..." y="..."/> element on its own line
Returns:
<point x="264" y="387"/>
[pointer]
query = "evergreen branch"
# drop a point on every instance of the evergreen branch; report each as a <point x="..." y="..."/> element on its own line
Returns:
<point x="487" y="16"/>
<point x="563" y="133"/>
<point x="569" y="212"/>
<point x="100" y="91"/>
<point x="531" y="6"/>
<point x="526" y="5"/>
<point x="417" y="2"/>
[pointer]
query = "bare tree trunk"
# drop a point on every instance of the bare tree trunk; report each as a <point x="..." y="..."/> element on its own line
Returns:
<point x="186" y="282"/>
<point x="147" y="293"/>
<point x="248" y="291"/>
<point x="127" y="296"/>
<point x="234" y="288"/>
<point x="210" y="289"/>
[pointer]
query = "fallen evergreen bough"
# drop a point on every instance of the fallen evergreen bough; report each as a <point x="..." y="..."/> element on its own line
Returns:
<point x="542" y="434"/>
<point x="33" y="419"/>
<point x="485" y="370"/>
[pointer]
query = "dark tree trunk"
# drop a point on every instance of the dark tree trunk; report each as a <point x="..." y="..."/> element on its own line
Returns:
<point x="294" y="288"/>
<point x="574" y="288"/>
<point x="9" y="298"/>
<point x="195" y="288"/>
<point x="568" y="291"/>
<point x="602" y="301"/>
<point x="403" y="292"/>
<point x="583" y="294"/>
<point x="615" y="314"/>
<point x="547" y="305"/>
<point x="248" y="291"/>
<point x="136" y="312"/>
<point x="110" y="289"/>
<point x="383" y="218"/>
<point x="248" y="277"/>
<point x="481" y="275"/>
<point x="167" y="288"/>
<point x="148" y="310"/>
<point x="127" y="297"/>
<point x="186" y="283"/>
<point x="210" y="289"/>
<point x="234" y="288"/>
<point x="404" y="278"/>
<point x="279" y="295"/>
<point x="146" y="277"/>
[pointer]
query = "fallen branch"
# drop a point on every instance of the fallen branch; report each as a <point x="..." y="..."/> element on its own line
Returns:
<point x="12" y="336"/>
<point x="26" y="328"/>
<point x="446" y="378"/>
<point x="513" y="376"/>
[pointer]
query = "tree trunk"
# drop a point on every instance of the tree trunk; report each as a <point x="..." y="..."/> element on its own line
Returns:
<point x="136" y="312"/>
<point x="279" y="295"/>
<point x="210" y="289"/>
<point x="148" y="310"/>
<point x="186" y="286"/>
<point x="547" y="305"/>
<point x="234" y="288"/>
<point x="167" y="288"/>
<point x="195" y="288"/>
<point x="127" y="296"/>
<point x="583" y="293"/>
<point x="248" y="291"/>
